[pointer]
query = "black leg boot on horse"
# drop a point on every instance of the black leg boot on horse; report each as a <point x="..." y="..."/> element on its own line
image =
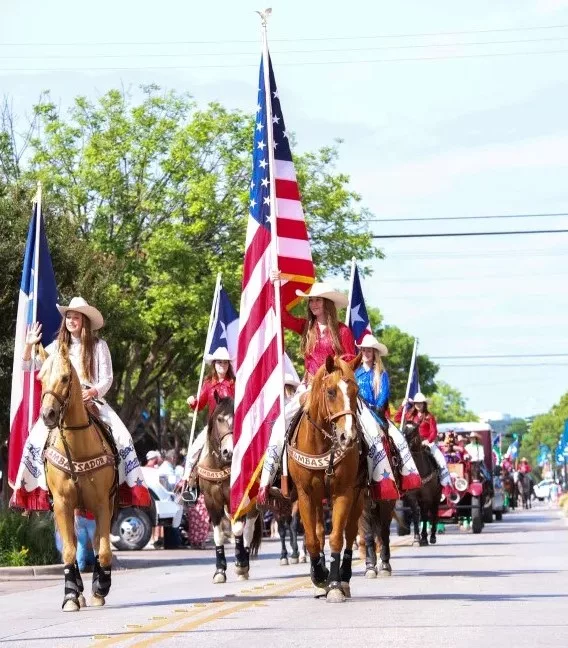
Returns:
<point x="220" y="575"/>
<point x="73" y="589"/>
<point x="101" y="583"/>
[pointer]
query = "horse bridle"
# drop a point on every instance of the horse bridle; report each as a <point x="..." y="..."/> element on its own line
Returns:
<point x="219" y="440"/>
<point x="63" y="404"/>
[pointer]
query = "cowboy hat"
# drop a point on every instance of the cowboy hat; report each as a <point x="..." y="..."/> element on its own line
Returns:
<point x="475" y="435"/>
<point x="325" y="290"/>
<point x="152" y="454"/>
<point x="79" y="305"/>
<point x="371" y="342"/>
<point x="420" y="398"/>
<point x="220" y="353"/>
<point x="290" y="380"/>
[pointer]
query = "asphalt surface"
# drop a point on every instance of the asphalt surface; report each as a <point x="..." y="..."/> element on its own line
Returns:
<point x="505" y="587"/>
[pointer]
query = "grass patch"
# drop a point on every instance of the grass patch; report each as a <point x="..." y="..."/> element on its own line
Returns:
<point x="27" y="539"/>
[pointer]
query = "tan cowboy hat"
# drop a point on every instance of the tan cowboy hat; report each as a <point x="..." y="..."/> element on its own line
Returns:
<point x="289" y="379"/>
<point x="420" y="398"/>
<point x="371" y="342"/>
<point x="220" y="353"/>
<point x="325" y="290"/>
<point x="475" y="435"/>
<point x="79" y="305"/>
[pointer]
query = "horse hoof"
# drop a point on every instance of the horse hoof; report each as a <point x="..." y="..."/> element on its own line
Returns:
<point x="303" y="559"/>
<point x="335" y="595"/>
<point x="243" y="577"/>
<point x="220" y="577"/>
<point x="423" y="542"/>
<point x="295" y="561"/>
<point x="284" y="561"/>
<point x="320" y="592"/>
<point x="371" y="572"/>
<point x="242" y="570"/>
<point x="385" y="570"/>
<point x="71" y="605"/>
<point x="416" y="542"/>
<point x="82" y="601"/>
<point x="97" y="601"/>
<point x="432" y="539"/>
<point x="346" y="589"/>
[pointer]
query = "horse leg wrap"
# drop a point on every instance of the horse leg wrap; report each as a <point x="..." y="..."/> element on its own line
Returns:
<point x="318" y="571"/>
<point x="385" y="553"/>
<point x="334" y="570"/>
<point x="78" y="578"/>
<point x="101" y="580"/>
<point x="220" y="560"/>
<point x="346" y="572"/>
<point x="72" y="591"/>
<point x="370" y="551"/>
<point x="241" y="553"/>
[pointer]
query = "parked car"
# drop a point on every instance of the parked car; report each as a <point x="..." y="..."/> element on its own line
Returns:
<point x="542" y="489"/>
<point x="133" y="526"/>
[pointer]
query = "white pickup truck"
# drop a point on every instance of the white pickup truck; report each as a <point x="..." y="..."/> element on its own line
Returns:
<point x="133" y="526"/>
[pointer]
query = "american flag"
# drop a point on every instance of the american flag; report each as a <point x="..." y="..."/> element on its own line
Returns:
<point x="259" y="382"/>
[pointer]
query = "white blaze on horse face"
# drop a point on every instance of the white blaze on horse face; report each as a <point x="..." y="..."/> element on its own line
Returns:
<point x="227" y="442"/>
<point x="347" y="408"/>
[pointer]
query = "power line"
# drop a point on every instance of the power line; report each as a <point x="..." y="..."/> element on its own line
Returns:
<point x="293" y="40"/>
<point x="510" y="355"/>
<point x="448" y="234"/>
<point x="457" y="218"/>
<point x="495" y="254"/>
<point x="513" y="365"/>
<point x="281" y="63"/>
<point x="476" y="277"/>
<point x="302" y="51"/>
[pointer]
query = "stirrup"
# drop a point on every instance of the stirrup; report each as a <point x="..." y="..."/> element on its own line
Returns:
<point x="190" y="496"/>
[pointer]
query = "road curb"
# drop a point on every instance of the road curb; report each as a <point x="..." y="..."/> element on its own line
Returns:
<point x="33" y="571"/>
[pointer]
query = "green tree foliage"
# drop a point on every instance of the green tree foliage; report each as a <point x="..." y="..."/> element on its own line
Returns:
<point x="448" y="405"/>
<point x="546" y="429"/>
<point x="150" y="202"/>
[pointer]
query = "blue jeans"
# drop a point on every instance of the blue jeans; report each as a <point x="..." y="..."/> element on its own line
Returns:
<point x="85" y="532"/>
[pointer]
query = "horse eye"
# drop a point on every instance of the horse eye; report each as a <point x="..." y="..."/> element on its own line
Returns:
<point x="332" y="392"/>
<point x="64" y="379"/>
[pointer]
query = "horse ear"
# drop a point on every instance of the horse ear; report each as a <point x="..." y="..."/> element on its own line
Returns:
<point x="42" y="353"/>
<point x="329" y="364"/>
<point x="353" y="364"/>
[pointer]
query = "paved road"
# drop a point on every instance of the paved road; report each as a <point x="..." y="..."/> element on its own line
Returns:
<point x="505" y="587"/>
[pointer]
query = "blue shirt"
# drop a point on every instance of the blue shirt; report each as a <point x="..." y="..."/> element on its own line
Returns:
<point x="365" y="379"/>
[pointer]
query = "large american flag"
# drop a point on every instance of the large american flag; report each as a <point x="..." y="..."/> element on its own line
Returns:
<point x="258" y="381"/>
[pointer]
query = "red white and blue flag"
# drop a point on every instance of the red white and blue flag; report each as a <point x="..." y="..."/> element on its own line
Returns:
<point x="42" y="290"/>
<point x="358" y="319"/>
<point x="259" y="380"/>
<point x="225" y="329"/>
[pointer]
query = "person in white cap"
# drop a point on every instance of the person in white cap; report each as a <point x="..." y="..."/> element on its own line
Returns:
<point x="418" y="414"/>
<point x="153" y="459"/>
<point x="322" y="335"/>
<point x="219" y="384"/>
<point x="374" y="393"/>
<point x="90" y="356"/>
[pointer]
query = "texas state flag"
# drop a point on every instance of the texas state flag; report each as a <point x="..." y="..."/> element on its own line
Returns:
<point x="225" y="330"/>
<point x="37" y="291"/>
<point x="358" y="319"/>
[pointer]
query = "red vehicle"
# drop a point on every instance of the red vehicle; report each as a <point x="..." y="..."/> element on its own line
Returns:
<point x="473" y="480"/>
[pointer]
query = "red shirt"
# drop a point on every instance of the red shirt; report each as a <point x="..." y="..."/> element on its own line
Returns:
<point x="525" y="468"/>
<point x="223" y="388"/>
<point x="324" y="344"/>
<point x="426" y="424"/>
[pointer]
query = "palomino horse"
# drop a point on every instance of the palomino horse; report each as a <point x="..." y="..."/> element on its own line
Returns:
<point x="375" y="524"/>
<point x="325" y="462"/>
<point x="81" y="473"/>
<point x="426" y="501"/>
<point x="214" y="472"/>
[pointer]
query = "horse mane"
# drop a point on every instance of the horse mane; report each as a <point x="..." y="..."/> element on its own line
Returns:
<point x="339" y="369"/>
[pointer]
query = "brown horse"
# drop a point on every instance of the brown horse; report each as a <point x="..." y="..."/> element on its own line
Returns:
<point x="81" y="473"/>
<point x="325" y="462"/>
<point x="214" y="472"/>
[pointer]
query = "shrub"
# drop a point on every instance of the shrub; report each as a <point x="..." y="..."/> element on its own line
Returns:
<point x="27" y="539"/>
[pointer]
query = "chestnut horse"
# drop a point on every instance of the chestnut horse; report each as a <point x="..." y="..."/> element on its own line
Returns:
<point x="214" y="472"/>
<point x="81" y="473"/>
<point x="325" y="462"/>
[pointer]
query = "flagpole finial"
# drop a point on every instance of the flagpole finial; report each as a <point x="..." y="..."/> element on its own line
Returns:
<point x="264" y="15"/>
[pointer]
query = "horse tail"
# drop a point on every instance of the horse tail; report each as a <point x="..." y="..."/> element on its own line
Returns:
<point x="257" y="536"/>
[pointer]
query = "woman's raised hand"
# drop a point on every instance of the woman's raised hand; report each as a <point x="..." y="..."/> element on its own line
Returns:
<point x="33" y="334"/>
<point x="191" y="401"/>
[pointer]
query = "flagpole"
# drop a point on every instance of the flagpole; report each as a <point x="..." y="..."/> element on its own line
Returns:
<point x="273" y="232"/>
<point x="411" y="368"/>
<point x="348" y="312"/>
<point x="214" y="307"/>
<point x="34" y="301"/>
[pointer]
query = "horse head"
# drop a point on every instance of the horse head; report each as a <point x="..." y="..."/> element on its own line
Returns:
<point x="220" y="430"/>
<point x="56" y="376"/>
<point x="333" y="400"/>
<point x="412" y="436"/>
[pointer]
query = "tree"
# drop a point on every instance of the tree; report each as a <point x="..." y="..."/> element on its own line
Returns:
<point x="449" y="406"/>
<point x="546" y="429"/>
<point x="153" y="201"/>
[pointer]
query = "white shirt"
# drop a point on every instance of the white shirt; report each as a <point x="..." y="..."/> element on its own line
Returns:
<point x="102" y="379"/>
<point x="475" y="451"/>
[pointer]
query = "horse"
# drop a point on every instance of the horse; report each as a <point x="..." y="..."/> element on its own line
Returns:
<point x="214" y="472"/>
<point x="325" y="462"/>
<point x="375" y="524"/>
<point x="524" y="484"/>
<point x="510" y="488"/>
<point x="426" y="501"/>
<point x="289" y="521"/>
<point x="81" y="469"/>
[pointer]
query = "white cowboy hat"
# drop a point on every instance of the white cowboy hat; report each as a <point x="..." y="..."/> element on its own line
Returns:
<point x="289" y="379"/>
<point x="475" y="435"/>
<point x="220" y="353"/>
<point x="371" y="342"/>
<point x="79" y="305"/>
<point x="420" y="398"/>
<point x="152" y="454"/>
<point x="325" y="290"/>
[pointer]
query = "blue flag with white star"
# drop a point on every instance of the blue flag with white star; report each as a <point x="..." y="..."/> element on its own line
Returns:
<point x="358" y="318"/>
<point x="226" y="326"/>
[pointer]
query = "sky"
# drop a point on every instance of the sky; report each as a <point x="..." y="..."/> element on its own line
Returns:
<point x="446" y="109"/>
